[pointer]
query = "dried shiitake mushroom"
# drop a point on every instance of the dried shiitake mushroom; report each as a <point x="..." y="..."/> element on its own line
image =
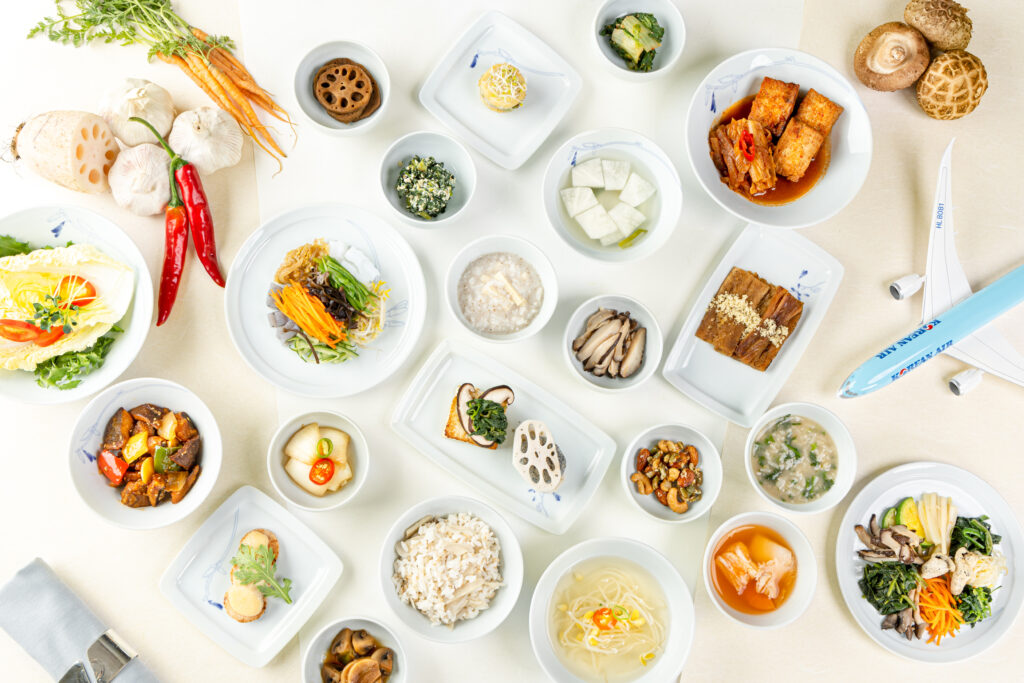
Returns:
<point x="943" y="22"/>
<point x="952" y="86"/>
<point x="891" y="57"/>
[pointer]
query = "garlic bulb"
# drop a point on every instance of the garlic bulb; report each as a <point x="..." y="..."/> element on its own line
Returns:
<point x="137" y="97"/>
<point x="208" y="137"/>
<point x="140" y="180"/>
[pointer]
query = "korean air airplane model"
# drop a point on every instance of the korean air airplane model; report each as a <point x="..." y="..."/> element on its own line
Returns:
<point x="953" y="319"/>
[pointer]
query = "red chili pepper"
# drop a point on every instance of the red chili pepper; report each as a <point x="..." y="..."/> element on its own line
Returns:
<point x="175" y="248"/>
<point x="112" y="467"/>
<point x="747" y="145"/>
<point x="199" y="218"/>
<point x="322" y="471"/>
<point x="604" y="619"/>
<point x="18" y="331"/>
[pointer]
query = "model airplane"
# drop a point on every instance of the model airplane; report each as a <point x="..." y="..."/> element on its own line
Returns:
<point x="953" y="319"/>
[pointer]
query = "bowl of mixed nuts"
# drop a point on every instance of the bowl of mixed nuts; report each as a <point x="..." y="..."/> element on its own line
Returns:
<point x="672" y="472"/>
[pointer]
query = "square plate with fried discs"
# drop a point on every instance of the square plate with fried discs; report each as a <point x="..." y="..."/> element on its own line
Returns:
<point x="197" y="579"/>
<point x="507" y="138"/>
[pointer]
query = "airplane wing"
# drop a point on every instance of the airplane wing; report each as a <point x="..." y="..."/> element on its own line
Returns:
<point x="990" y="351"/>
<point x="945" y="283"/>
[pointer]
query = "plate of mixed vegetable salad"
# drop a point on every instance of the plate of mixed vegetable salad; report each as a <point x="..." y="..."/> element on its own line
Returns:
<point x="325" y="301"/>
<point x="76" y="302"/>
<point x="927" y="562"/>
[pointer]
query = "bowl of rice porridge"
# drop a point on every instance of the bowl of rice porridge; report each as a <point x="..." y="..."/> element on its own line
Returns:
<point x="801" y="458"/>
<point x="502" y="288"/>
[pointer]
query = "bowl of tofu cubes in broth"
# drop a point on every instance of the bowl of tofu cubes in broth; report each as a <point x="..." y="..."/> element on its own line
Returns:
<point x="778" y="137"/>
<point x="612" y="195"/>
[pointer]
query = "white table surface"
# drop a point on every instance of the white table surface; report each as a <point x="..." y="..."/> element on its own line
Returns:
<point x="916" y="420"/>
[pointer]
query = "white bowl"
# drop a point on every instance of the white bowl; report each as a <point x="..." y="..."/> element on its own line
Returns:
<point x="740" y="76"/>
<point x="648" y="160"/>
<point x="806" y="571"/>
<point x="526" y="250"/>
<point x="511" y="571"/>
<point x="652" y="350"/>
<point x="358" y="455"/>
<point x="444" y="149"/>
<point x="313" y="658"/>
<point x="846" y="454"/>
<point x="665" y="57"/>
<point x="305" y="74"/>
<point x="87" y="437"/>
<point x="678" y="639"/>
<point x="710" y="464"/>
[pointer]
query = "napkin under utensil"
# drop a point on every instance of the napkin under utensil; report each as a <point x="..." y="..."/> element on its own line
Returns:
<point x="53" y="625"/>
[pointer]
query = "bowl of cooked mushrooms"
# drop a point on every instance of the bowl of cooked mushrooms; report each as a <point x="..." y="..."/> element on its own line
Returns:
<point x="612" y="342"/>
<point x="355" y="650"/>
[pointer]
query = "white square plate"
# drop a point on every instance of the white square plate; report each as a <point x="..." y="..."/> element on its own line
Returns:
<point x="725" y="385"/>
<point x="510" y="138"/>
<point x="197" y="578"/>
<point x="422" y="412"/>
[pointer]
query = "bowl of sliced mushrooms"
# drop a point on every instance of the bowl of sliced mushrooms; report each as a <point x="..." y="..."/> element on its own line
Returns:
<point x="613" y="342"/>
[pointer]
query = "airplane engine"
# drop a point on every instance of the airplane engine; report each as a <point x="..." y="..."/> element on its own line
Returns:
<point x="905" y="286"/>
<point x="963" y="382"/>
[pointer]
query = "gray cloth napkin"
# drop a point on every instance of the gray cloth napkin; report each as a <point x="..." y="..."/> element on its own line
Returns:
<point x="46" y="618"/>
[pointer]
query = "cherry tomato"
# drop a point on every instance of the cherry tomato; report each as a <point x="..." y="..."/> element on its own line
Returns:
<point x="50" y="336"/>
<point x="322" y="471"/>
<point x="74" y="290"/>
<point x="18" y="330"/>
<point x="604" y="619"/>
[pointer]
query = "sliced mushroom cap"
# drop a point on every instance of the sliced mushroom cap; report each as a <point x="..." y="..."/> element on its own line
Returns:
<point x="363" y="643"/>
<point x="331" y="674"/>
<point x="892" y="57"/>
<point x="873" y="525"/>
<point x="889" y="621"/>
<point x="596" y="319"/>
<point x="911" y="537"/>
<point x="363" y="670"/>
<point x="599" y="337"/>
<point x="943" y="22"/>
<point x="865" y="537"/>
<point x="634" y="357"/>
<point x="341" y="646"/>
<point x="465" y="394"/>
<point x="887" y="539"/>
<point x="385" y="658"/>
<point x="877" y="555"/>
<point x="502" y="394"/>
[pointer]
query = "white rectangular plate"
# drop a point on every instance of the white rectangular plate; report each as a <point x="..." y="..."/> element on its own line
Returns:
<point x="197" y="578"/>
<point x="725" y="385"/>
<point x="421" y="415"/>
<point x="510" y="138"/>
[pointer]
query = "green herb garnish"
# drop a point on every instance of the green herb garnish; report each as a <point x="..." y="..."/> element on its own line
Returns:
<point x="358" y="294"/>
<point x="64" y="371"/>
<point x="10" y="246"/>
<point x="488" y="419"/>
<point x="257" y="566"/>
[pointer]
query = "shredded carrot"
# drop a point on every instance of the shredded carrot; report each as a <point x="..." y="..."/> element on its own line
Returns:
<point x="938" y="609"/>
<point x="308" y="312"/>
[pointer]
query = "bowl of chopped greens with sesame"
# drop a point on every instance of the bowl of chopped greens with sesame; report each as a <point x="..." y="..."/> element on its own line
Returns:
<point x="427" y="177"/>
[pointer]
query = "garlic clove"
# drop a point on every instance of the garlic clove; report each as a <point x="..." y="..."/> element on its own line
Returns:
<point x="208" y="137"/>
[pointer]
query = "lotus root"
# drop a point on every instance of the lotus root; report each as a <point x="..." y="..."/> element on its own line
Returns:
<point x="343" y="88"/>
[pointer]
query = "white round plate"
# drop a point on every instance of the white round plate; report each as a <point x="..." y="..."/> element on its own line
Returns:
<point x="87" y="437"/>
<point x="679" y="637"/>
<point x="511" y="571"/>
<point x="54" y="226"/>
<point x="972" y="497"/>
<point x="740" y="76"/>
<point x="313" y="659"/>
<point x="252" y="274"/>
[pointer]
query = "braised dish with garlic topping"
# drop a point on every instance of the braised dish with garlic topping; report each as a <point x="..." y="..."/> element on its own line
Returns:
<point x="749" y="319"/>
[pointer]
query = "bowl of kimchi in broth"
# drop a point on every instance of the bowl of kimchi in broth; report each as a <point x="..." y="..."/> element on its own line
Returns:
<point x="759" y="569"/>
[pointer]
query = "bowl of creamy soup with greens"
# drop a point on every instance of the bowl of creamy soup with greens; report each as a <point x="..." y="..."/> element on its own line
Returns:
<point x="801" y="457"/>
